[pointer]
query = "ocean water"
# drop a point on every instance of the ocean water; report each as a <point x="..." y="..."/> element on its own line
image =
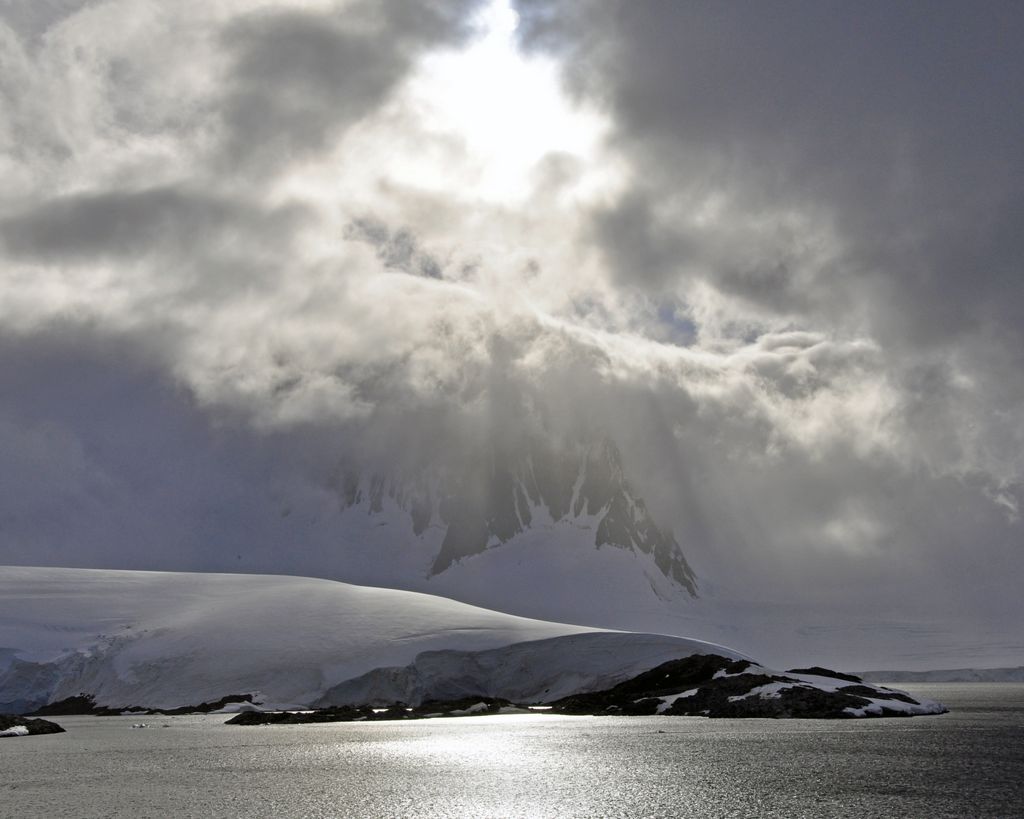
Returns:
<point x="969" y="763"/>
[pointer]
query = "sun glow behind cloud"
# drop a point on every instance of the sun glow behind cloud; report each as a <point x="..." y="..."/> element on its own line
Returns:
<point x="505" y="111"/>
<point x="481" y="154"/>
<point x="186" y="178"/>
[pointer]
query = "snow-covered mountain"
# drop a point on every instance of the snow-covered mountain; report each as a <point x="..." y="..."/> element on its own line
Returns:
<point x="165" y="640"/>
<point x="168" y="640"/>
<point x="542" y="529"/>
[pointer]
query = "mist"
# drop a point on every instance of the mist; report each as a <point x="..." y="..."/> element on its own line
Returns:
<point x="243" y="250"/>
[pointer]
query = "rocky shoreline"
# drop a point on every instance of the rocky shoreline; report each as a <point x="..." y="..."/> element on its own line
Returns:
<point x="701" y="685"/>
<point x="713" y="686"/>
<point x="470" y="706"/>
<point x="704" y="685"/>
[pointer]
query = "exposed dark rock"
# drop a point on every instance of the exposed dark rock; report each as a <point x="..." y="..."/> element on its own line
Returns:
<point x="869" y="691"/>
<point x="714" y="700"/>
<point x="633" y="696"/>
<point x="466" y="534"/>
<point x="85" y="704"/>
<point x="489" y="502"/>
<point x="397" y="711"/>
<point x="476" y="705"/>
<point x="203" y="707"/>
<point x="34" y="726"/>
<point x="818" y="671"/>
<point x="344" y="713"/>
<point x="733" y="693"/>
<point x="79" y="704"/>
<point x="699" y="685"/>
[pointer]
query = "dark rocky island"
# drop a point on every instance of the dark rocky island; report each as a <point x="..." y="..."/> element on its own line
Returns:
<point x="712" y="686"/>
<point x="12" y="725"/>
<point x="470" y="706"/>
<point x="704" y="685"/>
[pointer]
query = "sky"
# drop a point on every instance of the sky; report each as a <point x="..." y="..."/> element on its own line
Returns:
<point x="773" y="250"/>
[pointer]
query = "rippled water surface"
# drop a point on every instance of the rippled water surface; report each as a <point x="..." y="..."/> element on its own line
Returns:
<point x="966" y="763"/>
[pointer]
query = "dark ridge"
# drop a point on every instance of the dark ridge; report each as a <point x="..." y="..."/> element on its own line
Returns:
<point x="364" y="713"/>
<point x="344" y="713"/>
<point x="818" y="671"/>
<point x="676" y="675"/>
<point x="726" y="695"/>
<point x="868" y="691"/>
<point x="637" y="695"/>
<point x="80" y="704"/>
<point x="490" y="503"/>
<point x="85" y="704"/>
<point x="203" y="707"/>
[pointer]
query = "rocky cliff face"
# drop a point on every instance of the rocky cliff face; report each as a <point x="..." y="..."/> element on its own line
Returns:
<point x="506" y="493"/>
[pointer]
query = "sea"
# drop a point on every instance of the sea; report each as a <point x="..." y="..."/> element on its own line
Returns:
<point x="967" y="763"/>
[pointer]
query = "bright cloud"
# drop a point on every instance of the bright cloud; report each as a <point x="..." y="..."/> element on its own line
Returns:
<point x="783" y="278"/>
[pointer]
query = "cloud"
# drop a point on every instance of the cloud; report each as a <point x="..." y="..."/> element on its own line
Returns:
<point x="819" y="166"/>
<point x="239" y="249"/>
<point x="123" y="224"/>
<point x="894" y="127"/>
<point x="108" y="461"/>
<point x="298" y="78"/>
<point x="398" y="250"/>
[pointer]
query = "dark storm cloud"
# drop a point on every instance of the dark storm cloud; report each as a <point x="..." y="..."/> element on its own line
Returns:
<point x="634" y="240"/>
<point x="162" y="250"/>
<point x="855" y="168"/>
<point x="125" y="224"/>
<point x="656" y="252"/>
<point x="109" y="462"/>
<point x="899" y="121"/>
<point x="298" y="79"/>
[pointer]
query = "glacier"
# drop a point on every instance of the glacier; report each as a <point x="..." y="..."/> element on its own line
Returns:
<point x="162" y="640"/>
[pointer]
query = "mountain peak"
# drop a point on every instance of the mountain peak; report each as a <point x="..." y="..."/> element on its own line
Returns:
<point x="507" y="492"/>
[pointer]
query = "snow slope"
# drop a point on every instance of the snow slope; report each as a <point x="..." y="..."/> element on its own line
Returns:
<point x="876" y="705"/>
<point x="164" y="640"/>
<point x="502" y="492"/>
<point x="551" y="571"/>
<point x="529" y="672"/>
